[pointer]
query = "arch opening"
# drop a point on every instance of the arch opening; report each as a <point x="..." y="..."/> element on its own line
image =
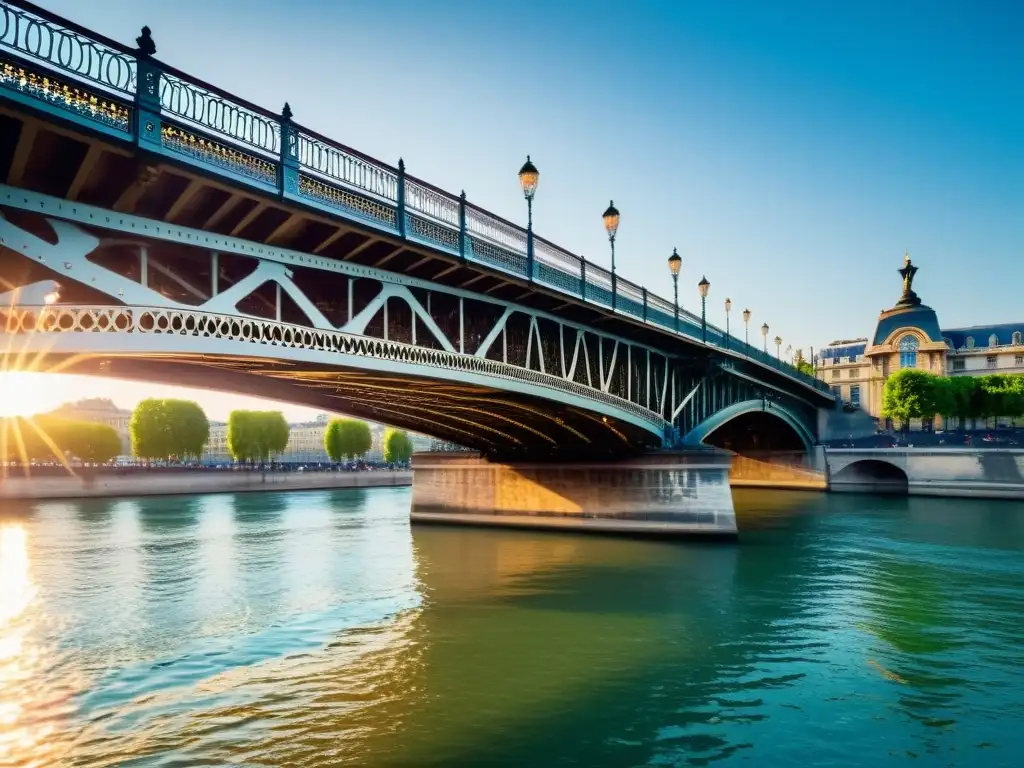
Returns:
<point x="871" y="476"/>
<point x="756" y="432"/>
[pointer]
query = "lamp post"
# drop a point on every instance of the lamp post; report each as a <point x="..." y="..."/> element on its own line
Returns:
<point x="611" y="226"/>
<point x="528" y="178"/>
<point x="675" y="263"/>
<point x="746" y="327"/>
<point x="764" y="335"/>
<point x="789" y="353"/>
<point x="728" y="309"/>
<point x="703" y="286"/>
<point x="778" y="347"/>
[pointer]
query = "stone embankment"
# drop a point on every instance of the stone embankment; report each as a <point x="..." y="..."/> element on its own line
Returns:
<point x="107" y="483"/>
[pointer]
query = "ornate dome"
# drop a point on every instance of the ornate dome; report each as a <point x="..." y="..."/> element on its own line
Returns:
<point x="908" y="312"/>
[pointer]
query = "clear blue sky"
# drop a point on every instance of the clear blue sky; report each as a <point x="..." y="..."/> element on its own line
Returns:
<point x="790" y="149"/>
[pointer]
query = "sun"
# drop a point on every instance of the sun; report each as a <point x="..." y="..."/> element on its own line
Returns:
<point x="20" y="394"/>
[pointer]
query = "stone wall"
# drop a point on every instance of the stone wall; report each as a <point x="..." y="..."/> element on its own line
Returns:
<point x="203" y="481"/>
<point x="798" y="471"/>
<point x="960" y="472"/>
<point x="662" y="494"/>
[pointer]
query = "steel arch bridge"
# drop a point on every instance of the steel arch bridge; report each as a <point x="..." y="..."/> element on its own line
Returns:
<point x="199" y="239"/>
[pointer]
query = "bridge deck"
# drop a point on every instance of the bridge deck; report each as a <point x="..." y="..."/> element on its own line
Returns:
<point x="190" y="154"/>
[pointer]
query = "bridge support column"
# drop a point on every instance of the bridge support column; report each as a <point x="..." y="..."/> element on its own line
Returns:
<point x="682" y="493"/>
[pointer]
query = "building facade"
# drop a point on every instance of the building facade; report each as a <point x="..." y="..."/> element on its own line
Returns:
<point x="908" y="335"/>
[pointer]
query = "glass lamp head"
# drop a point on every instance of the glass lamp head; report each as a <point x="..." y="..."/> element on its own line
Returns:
<point x="675" y="263"/>
<point x="703" y="286"/>
<point x="528" y="178"/>
<point x="611" y="219"/>
<point x="746" y="315"/>
<point x="728" y="306"/>
<point x="764" y="330"/>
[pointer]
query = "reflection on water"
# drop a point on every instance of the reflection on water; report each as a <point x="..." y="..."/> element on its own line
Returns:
<point x="317" y="629"/>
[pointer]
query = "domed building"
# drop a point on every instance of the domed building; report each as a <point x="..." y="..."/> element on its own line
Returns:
<point x="908" y="335"/>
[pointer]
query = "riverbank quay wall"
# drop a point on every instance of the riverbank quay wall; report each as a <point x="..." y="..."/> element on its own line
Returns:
<point x="993" y="473"/>
<point x="673" y="493"/>
<point x="100" y="484"/>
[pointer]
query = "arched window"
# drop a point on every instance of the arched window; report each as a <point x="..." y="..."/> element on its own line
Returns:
<point x="970" y="342"/>
<point x="993" y="340"/>
<point x="1016" y="338"/>
<point x="908" y="351"/>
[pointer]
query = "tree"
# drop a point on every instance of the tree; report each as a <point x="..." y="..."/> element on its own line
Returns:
<point x="91" y="442"/>
<point x="45" y="438"/>
<point x="802" y="365"/>
<point x="165" y="429"/>
<point x="911" y="394"/>
<point x="347" y="439"/>
<point x="397" y="446"/>
<point x="256" y="435"/>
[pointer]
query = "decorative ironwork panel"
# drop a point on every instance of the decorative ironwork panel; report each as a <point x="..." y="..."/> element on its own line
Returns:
<point x="214" y="153"/>
<point x="498" y="257"/>
<point x="431" y="204"/>
<point x="65" y="96"/>
<point x="48" y="43"/>
<point x="342" y="166"/>
<point x="205" y="109"/>
<point x="500" y="233"/>
<point x="557" y="268"/>
<point x="350" y="202"/>
<point x="425" y="229"/>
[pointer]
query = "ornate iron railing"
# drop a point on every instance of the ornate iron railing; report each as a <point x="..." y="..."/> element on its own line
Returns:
<point x="222" y="133"/>
<point x="29" y="320"/>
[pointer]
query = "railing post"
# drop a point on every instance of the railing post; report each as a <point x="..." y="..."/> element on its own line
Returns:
<point x="645" y="303"/>
<point x="462" y="225"/>
<point x="583" y="279"/>
<point x="288" y="166"/>
<point x="147" y="93"/>
<point x="401" y="197"/>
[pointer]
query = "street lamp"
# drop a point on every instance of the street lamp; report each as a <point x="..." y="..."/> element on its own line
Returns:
<point x="746" y="327"/>
<point x="789" y="353"/>
<point x="675" y="263"/>
<point x="611" y="226"/>
<point x="764" y="335"/>
<point x="528" y="178"/>
<point x="728" y="309"/>
<point x="703" y="286"/>
<point x="778" y="347"/>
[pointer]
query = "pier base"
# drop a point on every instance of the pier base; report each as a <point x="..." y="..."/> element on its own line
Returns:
<point x="683" y="493"/>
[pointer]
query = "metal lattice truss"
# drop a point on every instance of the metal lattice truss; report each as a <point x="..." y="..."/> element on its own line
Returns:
<point x="85" y="281"/>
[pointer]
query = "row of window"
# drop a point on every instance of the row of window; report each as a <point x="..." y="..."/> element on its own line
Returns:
<point x="991" y="362"/>
<point x="837" y="392"/>
<point x="993" y="341"/>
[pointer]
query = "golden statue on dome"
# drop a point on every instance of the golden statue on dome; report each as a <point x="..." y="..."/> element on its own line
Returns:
<point x="909" y="298"/>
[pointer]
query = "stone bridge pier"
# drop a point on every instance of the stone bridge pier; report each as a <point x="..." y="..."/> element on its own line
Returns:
<point x="677" y="493"/>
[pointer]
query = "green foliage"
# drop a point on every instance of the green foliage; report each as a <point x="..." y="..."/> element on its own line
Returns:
<point x="256" y="435"/>
<point x="911" y="394"/>
<point x="47" y="438"/>
<point x="347" y="439"/>
<point x="168" y="428"/>
<point x="804" y="366"/>
<point x="397" y="446"/>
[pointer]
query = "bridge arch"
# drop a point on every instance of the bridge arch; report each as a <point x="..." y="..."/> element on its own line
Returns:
<point x="729" y="414"/>
<point x="871" y="476"/>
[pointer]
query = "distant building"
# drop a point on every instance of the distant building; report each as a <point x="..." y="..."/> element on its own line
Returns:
<point x="909" y="336"/>
<point x="102" y="411"/>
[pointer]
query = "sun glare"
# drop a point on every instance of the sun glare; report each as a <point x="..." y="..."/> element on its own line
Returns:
<point x="20" y="394"/>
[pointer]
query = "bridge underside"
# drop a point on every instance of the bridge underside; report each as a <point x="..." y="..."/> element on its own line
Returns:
<point x="501" y="425"/>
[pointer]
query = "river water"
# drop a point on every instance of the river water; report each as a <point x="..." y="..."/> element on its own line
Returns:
<point x="315" y="629"/>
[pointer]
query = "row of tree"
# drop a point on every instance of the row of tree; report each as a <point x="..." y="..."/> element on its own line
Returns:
<point x="913" y="394"/>
<point x="348" y="439"/>
<point x="47" y="438"/>
<point x="169" y="429"/>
